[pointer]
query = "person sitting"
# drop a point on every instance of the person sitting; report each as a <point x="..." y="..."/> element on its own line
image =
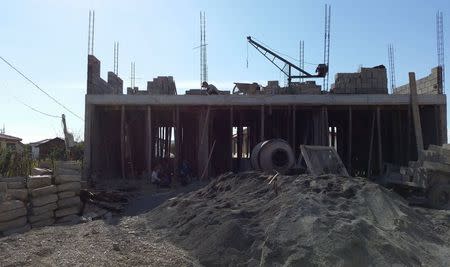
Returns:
<point x="210" y="89"/>
<point x="185" y="173"/>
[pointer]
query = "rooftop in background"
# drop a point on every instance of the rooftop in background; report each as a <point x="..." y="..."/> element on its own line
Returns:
<point x="5" y="137"/>
<point x="38" y="143"/>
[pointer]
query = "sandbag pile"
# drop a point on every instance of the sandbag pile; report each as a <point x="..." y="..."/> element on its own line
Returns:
<point x="13" y="198"/>
<point x="43" y="200"/>
<point x="67" y="175"/>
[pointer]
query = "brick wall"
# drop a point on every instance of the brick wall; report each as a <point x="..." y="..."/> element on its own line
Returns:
<point x="96" y="85"/>
<point x="431" y="84"/>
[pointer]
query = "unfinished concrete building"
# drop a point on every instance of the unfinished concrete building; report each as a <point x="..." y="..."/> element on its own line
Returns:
<point x="127" y="135"/>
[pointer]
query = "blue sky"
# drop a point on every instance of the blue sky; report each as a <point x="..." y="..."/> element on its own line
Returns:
<point x="47" y="40"/>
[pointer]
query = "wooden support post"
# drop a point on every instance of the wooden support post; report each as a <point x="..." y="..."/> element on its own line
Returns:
<point x="380" y="141"/>
<point x="294" y="134"/>
<point x="325" y="130"/>
<point x="408" y="141"/>
<point x="437" y="130"/>
<point x="372" y="129"/>
<point x="231" y="139"/>
<point x="262" y="124"/>
<point x="149" y="140"/>
<point x="349" y="140"/>
<point x="239" y="142"/>
<point x="122" y="140"/>
<point x="416" y="114"/>
<point x="177" y="140"/>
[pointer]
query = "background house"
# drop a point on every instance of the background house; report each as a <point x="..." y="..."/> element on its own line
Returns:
<point x="11" y="142"/>
<point x="44" y="148"/>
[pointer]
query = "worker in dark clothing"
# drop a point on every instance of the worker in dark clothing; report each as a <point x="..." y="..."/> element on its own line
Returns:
<point x="210" y="89"/>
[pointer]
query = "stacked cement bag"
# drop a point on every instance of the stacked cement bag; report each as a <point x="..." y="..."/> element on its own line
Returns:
<point x="13" y="210"/>
<point x="67" y="175"/>
<point x="43" y="200"/>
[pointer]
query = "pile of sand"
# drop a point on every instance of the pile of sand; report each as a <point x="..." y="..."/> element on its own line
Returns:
<point x="299" y="221"/>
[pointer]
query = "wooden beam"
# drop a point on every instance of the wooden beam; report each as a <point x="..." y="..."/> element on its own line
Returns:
<point x="294" y="134"/>
<point x="372" y="129"/>
<point x="206" y="122"/>
<point x="262" y="124"/>
<point x="416" y="114"/>
<point x="177" y="139"/>
<point x="149" y="140"/>
<point x="122" y="140"/>
<point x="380" y="141"/>
<point x="408" y="141"/>
<point x="349" y="140"/>
<point x="207" y="162"/>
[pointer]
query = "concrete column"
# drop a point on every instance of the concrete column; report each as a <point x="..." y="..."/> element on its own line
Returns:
<point x="149" y="139"/>
<point x="87" y="168"/>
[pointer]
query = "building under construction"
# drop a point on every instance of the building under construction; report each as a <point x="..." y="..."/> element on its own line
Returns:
<point x="127" y="135"/>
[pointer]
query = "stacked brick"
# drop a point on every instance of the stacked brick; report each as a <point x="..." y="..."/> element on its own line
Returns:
<point x="13" y="199"/>
<point x="68" y="183"/>
<point x="365" y="81"/>
<point x="43" y="200"/>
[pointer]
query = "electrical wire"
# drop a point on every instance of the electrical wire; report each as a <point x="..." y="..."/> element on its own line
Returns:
<point x="40" y="89"/>
<point x="34" y="109"/>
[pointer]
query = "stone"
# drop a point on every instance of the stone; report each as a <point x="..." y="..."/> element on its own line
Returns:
<point x="41" y="171"/>
<point x="69" y="202"/>
<point x="66" y="211"/>
<point x="66" y="194"/>
<point x="73" y="186"/>
<point x="41" y="217"/>
<point x="11" y="205"/>
<point x="43" y="191"/>
<point x="39" y="210"/>
<point x="12" y="214"/>
<point x="46" y="222"/>
<point x="41" y="201"/>
<point x="8" y="225"/>
<point x="19" y="194"/>
<point x="38" y="181"/>
<point x="65" y="178"/>
<point x="19" y="230"/>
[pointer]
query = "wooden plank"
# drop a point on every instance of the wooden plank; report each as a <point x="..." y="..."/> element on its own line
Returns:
<point x="122" y="141"/>
<point x="372" y="129"/>
<point x="262" y="124"/>
<point x="349" y="140"/>
<point x="380" y="141"/>
<point x="294" y="134"/>
<point x="205" y="124"/>
<point x="207" y="162"/>
<point x="408" y="141"/>
<point x="149" y="140"/>
<point x="416" y="113"/>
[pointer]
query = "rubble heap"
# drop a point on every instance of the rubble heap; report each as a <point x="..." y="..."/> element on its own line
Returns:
<point x="253" y="219"/>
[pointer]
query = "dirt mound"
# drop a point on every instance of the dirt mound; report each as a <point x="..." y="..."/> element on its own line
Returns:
<point x="298" y="221"/>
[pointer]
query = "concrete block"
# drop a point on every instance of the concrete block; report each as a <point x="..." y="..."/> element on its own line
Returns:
<point x="16" y="185"/>
<point x="43" y="191"/>
<point x="19" y="230"/>
<point x="66" y="211"/>
<point x="19" y="194"/>
<point x="43" y="200"/>
<point x="39" y="210"/>
<point x="3" y="187"/>
<point x="66" y="194"/>
<point x="62" y="179"/>
<point x="69" y="202"/>
<point x="13" y="224"/>
<point x="11" y="205"/>
<point x="43" y="223"/>
<point x="13" y="179"/>
<point x="12" y="214"/>
<point x="73" y="186"/>
<point x="38" y="181"/>
<point x="41" y="217"/>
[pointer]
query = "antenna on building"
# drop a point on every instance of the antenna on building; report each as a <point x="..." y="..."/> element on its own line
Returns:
<point x="116" y="58"/>
<point x="391" y="66"/>
<point x="91" y="32"/>
<point x="133" y="75"/>
<point x="203" y="57"/>
<point x="326" y="52"/>
<point x="302" y="57"/>
<point x="440" y="48"/>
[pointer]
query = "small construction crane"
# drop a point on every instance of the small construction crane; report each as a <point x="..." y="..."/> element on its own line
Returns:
<point x="321" y="70"/>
